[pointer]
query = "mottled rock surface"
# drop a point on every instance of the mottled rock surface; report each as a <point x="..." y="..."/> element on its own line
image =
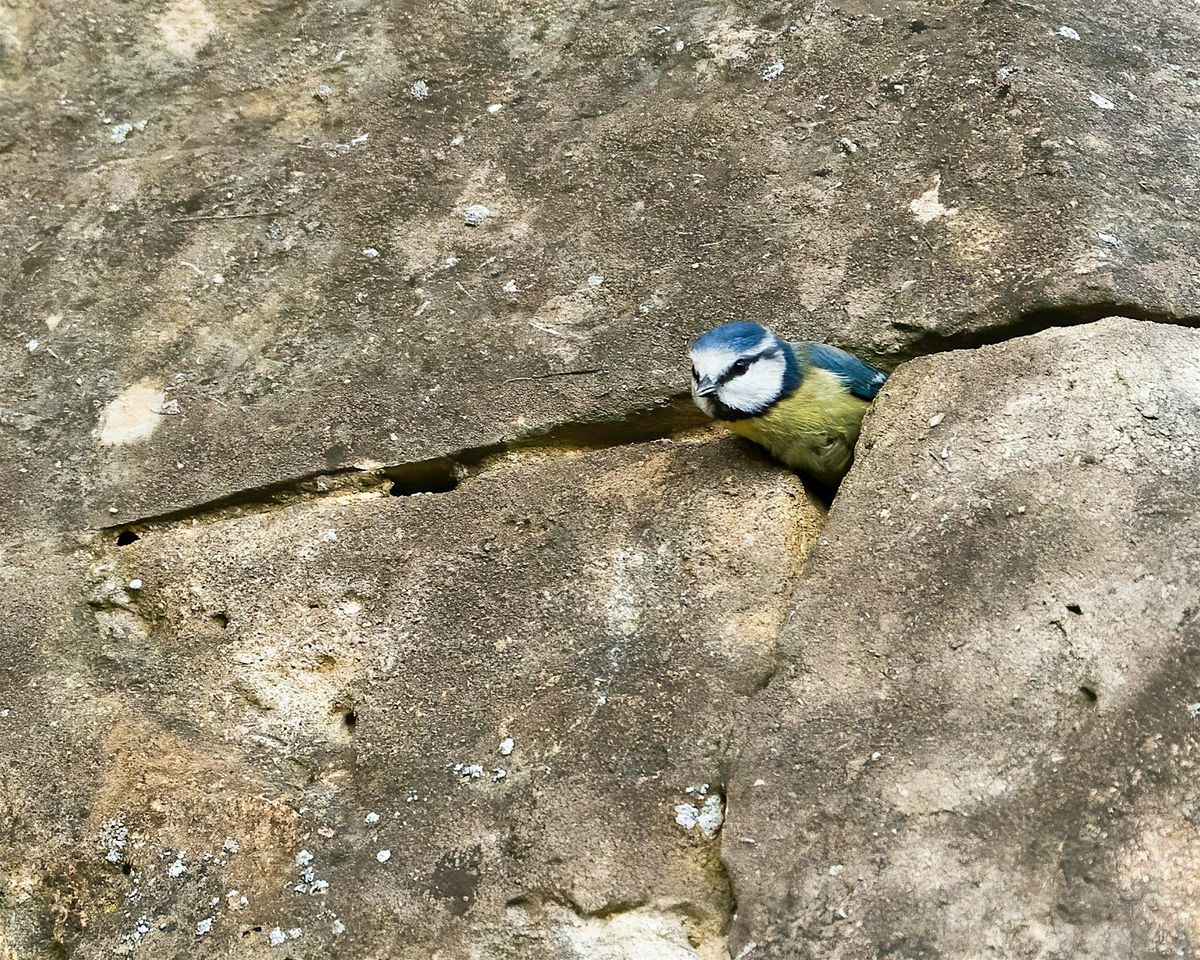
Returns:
<point x="271" y="270"/>
<point x="459" y="721"/>
<point x="268" y="263"/>
<point x="988" y="746"/>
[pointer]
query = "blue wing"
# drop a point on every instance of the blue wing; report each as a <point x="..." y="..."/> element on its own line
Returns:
<point x="861" y="379"/>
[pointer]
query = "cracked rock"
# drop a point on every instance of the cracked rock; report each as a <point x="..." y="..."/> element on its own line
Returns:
<point x="1003" y="786"/>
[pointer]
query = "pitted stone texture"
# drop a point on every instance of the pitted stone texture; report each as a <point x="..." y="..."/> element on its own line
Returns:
<point x="984" y="747"/>
<point x="400" y="725"/>
<point x="281" y="251"/>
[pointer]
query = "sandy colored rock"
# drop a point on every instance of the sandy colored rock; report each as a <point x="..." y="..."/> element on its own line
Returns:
<point x="985" y="748"/>
<point x="278" y="677"/>
<point x="268" y="264"/>
<point x="216" y="244"/>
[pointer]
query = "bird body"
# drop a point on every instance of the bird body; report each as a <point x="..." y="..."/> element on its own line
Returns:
<point x="804" y="402"/>
<point x="813" y="430"/>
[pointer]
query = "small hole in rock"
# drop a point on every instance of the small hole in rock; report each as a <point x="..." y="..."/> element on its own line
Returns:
<point x="349" y="719"/>
<point x="918" y="26"/>
<point x="126" y="537"/>
<point x="1075" y="608"/>
<point x="1089" y="695"/>
<point x="408" y="487"/>
<point x="221" y="619"/>
<point x="127" y="868"/>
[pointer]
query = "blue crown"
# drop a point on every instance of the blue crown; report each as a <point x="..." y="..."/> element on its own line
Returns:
<point x="738" y="337"/>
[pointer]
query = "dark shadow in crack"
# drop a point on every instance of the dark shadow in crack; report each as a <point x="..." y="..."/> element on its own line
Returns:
<point x="437" y="474"/>
<point x="1029" y="322"/>
<point x="667" y="418"/>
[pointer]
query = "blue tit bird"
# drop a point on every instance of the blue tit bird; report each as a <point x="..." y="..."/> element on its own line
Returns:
<point x="804" y="402"/>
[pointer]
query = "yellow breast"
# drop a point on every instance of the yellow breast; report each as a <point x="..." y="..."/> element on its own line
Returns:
<point x="814" y="430"/>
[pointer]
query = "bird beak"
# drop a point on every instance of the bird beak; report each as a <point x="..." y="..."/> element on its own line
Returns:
<point x="705" y="388"/>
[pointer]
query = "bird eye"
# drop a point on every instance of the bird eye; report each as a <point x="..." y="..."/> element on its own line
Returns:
<point x="740" y="367"/>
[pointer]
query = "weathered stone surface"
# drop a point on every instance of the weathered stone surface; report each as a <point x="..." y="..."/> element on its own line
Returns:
<point x="322" y="679"/>
<point x="193" y="192"/>
<point x="263" y="259"/>
<point x="987" y="747"/>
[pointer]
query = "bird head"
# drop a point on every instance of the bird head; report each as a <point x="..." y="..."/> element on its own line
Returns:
<point x="740" y="369"/>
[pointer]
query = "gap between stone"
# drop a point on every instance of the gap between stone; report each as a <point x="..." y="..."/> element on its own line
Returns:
<point x="667" y="420"/>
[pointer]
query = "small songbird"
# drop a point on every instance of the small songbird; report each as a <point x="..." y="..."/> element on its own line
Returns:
<point x="804" y="402"/>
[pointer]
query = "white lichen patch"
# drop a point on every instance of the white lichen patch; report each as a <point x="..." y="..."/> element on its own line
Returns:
<point x="132" y="415"/>
<point x="114" y="836"/>
<point x="773" y="72"/>
<point x="476" y="214"/>
<point x="708" y="818"/>
<point x="929" y="207"/>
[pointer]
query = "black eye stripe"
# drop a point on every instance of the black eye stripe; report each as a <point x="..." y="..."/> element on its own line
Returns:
<point x="734" y="370"/>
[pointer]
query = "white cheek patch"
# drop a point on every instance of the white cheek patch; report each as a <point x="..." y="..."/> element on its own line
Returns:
<point x="757" y="388"/>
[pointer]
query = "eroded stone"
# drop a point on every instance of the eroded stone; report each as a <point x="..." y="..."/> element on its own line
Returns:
<point x="990" y="731"/>
<point x="294" y="704"/>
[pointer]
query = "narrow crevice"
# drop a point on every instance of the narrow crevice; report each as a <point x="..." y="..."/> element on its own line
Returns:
<point x="319" y="483"/>
<point x="726" y="763"/>
<point x="427" y="476"/>
<point x="1029" y="322"/>
<point x="670" y="417"/>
